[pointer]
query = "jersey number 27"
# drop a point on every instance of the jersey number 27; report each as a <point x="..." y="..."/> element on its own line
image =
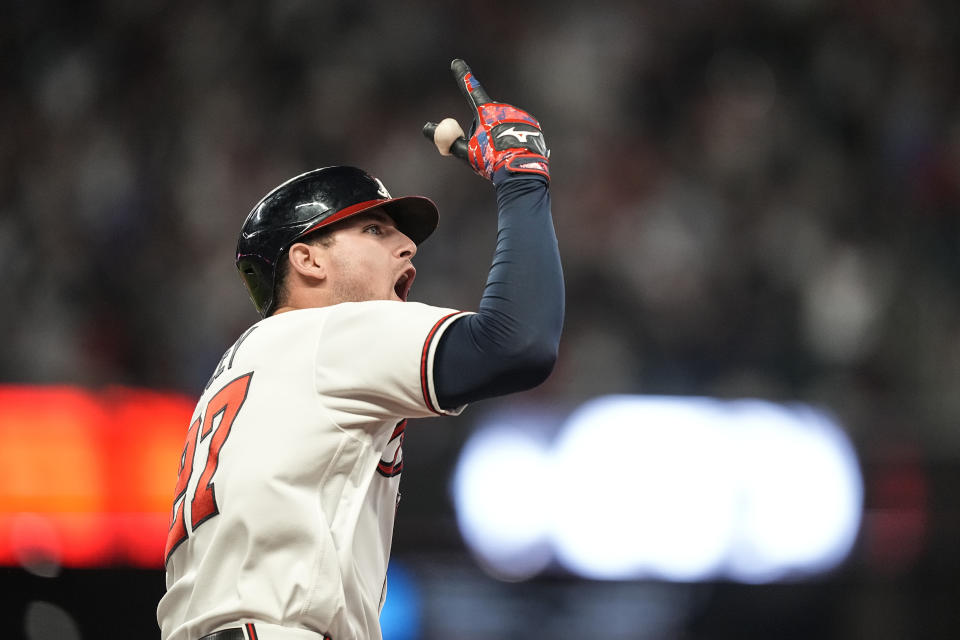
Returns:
<point x="203" y="506"/>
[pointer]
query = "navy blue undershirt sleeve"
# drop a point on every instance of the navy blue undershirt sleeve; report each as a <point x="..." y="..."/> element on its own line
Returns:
<point x="510" y="344"/>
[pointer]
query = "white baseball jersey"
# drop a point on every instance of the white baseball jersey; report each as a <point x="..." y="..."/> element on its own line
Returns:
<point x="285" y="500"/>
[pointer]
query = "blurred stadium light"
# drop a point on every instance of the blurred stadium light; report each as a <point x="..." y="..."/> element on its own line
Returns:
<point x="85" y="477"/>
<point x="674" y="488"/>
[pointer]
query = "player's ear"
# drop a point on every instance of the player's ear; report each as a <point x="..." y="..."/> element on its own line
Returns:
<point x="306" y="259"/>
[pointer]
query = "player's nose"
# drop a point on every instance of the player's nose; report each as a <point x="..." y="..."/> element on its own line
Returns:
<point x="406" y="248"/>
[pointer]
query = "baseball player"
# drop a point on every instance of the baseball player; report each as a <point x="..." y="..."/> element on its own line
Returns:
<point x="284" y="504"/>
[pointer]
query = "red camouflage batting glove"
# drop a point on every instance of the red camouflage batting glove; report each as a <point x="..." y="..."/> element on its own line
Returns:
<point x="503" y="139"/>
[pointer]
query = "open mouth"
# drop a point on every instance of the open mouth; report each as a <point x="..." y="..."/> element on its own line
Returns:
<point x="404" y="282"/>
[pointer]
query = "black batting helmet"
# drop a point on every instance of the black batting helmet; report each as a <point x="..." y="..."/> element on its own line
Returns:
<point x="308" y="202"/>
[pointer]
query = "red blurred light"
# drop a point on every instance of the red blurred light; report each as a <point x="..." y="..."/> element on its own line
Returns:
<point x="86" y="478"/>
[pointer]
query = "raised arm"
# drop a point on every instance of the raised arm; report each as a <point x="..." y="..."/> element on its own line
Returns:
<point x="511" y="343"/>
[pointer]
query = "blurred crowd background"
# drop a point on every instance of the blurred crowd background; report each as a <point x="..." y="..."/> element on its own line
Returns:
<point x="752" y="198"/>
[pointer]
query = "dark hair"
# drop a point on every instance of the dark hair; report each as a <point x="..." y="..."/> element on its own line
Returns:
<point x="321" y="236"/>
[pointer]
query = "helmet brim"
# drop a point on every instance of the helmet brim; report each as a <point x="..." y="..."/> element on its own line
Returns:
<point x="415" y="216"/>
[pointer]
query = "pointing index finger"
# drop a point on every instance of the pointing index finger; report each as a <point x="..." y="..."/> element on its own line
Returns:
<point x="468" y="83"/>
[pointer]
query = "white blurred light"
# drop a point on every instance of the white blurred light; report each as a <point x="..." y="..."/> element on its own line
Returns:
<point x="800" y="489"/>
<point x="674" y="488"/>
<point x="47" y="621"/>
<point x="627" y="510"/>
<point x="502" y="503"/>
<point x="36" y="544"/>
